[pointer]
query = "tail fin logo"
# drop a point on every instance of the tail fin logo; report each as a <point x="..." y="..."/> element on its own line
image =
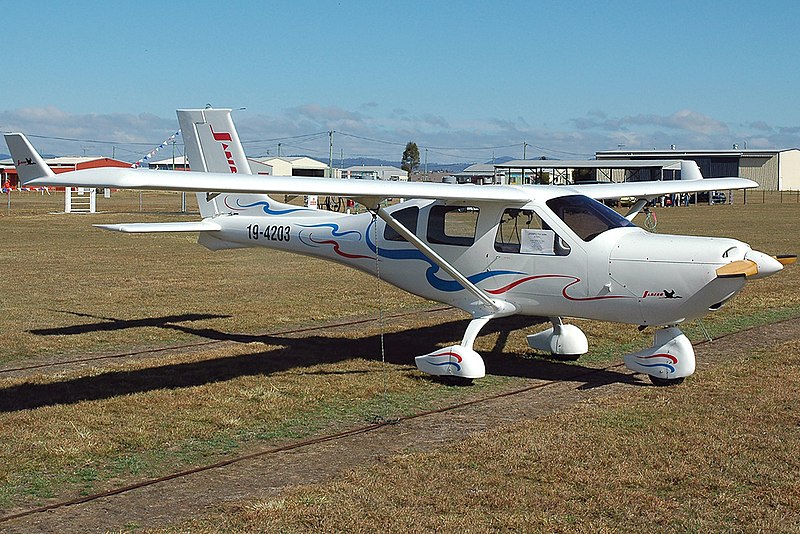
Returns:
<point x="28" y="161"/>
<point x="222" y="137"/>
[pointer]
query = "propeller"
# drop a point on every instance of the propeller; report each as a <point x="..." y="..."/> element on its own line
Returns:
<point x="755" y="265"/>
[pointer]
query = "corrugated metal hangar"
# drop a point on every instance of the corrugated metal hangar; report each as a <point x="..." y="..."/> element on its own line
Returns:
<point x="774" y="170"/>
<point x="568" y="172"/>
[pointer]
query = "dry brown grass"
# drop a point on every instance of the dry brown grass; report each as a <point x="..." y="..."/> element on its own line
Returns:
<point x="60" y="272"/>
<point x="72" y="289"/>
<point x="718" y="455"/>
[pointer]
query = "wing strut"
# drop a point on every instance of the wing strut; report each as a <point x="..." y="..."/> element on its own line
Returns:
<point x="493" y="306"/>
<point x="636" y="208"/>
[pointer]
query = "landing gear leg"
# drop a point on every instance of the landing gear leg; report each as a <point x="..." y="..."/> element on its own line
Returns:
<point x="668" y="361"/>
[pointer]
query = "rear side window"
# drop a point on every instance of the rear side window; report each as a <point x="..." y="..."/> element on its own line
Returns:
<point x="408" y="218"/>
<point x="453" y="225"/>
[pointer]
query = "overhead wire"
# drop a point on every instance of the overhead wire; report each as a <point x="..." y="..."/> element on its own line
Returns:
<point x="446" y="151"/>
<point x="55" y="138"/>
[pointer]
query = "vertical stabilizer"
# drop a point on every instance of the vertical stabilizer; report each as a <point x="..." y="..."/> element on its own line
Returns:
<point x="690" y="170"/>
<point x="212" y="145"/>
<point x="29" y="163"/>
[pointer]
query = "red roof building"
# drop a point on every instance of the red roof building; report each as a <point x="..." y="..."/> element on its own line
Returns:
<point x="8" y="172"/>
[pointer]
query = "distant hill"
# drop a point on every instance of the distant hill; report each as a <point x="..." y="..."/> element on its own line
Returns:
<point x="350" y="162"/>
<point x="370" y="162"/>
<point x="45" y="156"/>
<point x="432" y="167"/>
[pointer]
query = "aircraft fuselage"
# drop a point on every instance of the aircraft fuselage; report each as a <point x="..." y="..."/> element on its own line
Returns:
<point x="530" y="257"/>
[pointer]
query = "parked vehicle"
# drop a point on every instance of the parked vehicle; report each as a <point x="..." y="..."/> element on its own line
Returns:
<point x="717" y="197"/>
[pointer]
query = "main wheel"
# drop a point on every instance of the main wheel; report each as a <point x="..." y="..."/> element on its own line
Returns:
<point x="564" y="357"/>
<point x="661" y="382"/>
<point x="455" y="381"/>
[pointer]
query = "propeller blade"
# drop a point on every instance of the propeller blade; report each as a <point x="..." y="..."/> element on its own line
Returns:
<point x="738" y="268"/>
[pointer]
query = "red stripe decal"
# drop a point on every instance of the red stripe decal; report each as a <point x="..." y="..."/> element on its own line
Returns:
<point x="670" y="357"/>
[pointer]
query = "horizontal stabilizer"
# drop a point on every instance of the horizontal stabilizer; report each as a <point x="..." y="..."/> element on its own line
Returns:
<point x="146" y="228"/>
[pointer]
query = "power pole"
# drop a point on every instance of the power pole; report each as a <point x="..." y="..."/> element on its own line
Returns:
<point x="524" y="156"/>
<point x="330" y="155"/>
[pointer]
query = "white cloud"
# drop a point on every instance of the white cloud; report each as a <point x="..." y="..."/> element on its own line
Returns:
<point x="368" y="133"/>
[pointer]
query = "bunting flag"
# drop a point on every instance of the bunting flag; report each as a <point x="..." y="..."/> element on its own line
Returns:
<point x="156" y="149"/>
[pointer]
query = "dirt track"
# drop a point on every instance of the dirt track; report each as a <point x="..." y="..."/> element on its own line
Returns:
<point x="171" y="501"/>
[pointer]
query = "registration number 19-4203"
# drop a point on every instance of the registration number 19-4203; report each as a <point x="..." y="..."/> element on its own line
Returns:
<point x="270" y="232"/>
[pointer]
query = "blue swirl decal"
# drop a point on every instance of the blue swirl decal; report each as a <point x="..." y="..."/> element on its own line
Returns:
<point x="454" y="364"/>
<point x="335" y="232"/>
<point x="668" y="366"/>
<point x="667" y="356"/>
<point x="430" y="273"/>
<point x="266" y="207"/>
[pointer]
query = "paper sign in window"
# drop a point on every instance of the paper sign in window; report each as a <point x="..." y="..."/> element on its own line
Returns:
<point x="533" y="241"/>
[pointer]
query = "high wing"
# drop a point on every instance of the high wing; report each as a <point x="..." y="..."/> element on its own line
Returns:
<point x="34" y="172"/>
<point x="691" y="181"/>
<point x="297" y="185"/>
<point x="655" y="189"/>
<point x="290" y="185"/>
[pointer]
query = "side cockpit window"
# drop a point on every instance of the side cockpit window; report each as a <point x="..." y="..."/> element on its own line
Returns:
<point x="453" y="225"/>
<point x="408" y="218"/>
<point x="524" y="232"/>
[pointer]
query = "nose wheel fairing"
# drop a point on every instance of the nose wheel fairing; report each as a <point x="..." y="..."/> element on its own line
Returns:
<point x="565" y="340"/>
<point x="671" y="357"/>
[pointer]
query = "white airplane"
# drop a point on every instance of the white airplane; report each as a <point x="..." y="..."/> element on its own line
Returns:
<point x="492" y="251"/>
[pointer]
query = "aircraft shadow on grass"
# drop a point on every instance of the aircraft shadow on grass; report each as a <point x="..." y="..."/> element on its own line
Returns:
<point x="291" y="353"/>
<point x="108" y="324"/>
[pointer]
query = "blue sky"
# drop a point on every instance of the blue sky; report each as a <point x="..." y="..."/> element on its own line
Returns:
<point x="464" y="79"/>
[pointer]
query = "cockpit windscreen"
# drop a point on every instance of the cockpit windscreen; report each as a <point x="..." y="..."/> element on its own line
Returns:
<point x="586" y="217"/>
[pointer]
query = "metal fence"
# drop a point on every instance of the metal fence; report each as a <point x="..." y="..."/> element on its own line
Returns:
<point x="31" y="202"/>
<point x="768" y="197"/>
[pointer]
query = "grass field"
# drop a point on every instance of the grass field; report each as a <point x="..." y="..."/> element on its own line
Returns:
<point x="718" y="455"/>
<point x="71" y="289"/>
